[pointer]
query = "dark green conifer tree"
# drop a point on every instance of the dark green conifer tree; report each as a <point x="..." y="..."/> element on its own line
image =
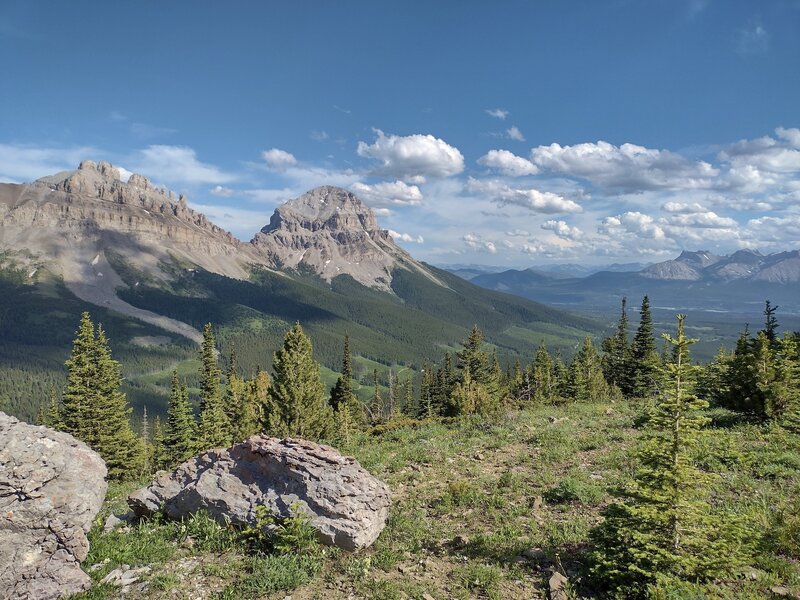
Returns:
<point x="80" y="392"/>
<point x="543" y="379"/>
<point x="298" y="406"/>
<point x="214" y="429"/>
<point x="644" y="361"/>
<point x="617" y="354"/>
<point x="713" y="380"/>
<point x="770" y="322"/>
<point x="781" y="384"/>
<point x="342" y="391"/>
<point x="481" y="367"/>
<point x="586" y="375"/>
<point x="94" y="409"/>
<point x="180" y="434"/>
<point x="663" y="527"/>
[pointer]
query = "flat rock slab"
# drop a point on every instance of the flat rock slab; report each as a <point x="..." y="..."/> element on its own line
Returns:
<point x="347" y="505"/>
<point x="51" y="488"/>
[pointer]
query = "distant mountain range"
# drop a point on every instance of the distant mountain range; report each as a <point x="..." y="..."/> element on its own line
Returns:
<point x="558" y="270"/>
<point x="154" y="271"/>
<point x="694" y="280"/>
<point x="750" y="265"/>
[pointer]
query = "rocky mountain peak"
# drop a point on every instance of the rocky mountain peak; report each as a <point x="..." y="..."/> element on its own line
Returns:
<point x="330" y="231"/>
<point x="326" y="208"/>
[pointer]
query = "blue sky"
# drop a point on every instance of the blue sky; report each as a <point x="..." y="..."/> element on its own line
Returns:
<point x="509" y="133"/>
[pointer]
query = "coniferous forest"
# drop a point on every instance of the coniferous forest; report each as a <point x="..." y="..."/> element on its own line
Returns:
<point x="681" y="438"/>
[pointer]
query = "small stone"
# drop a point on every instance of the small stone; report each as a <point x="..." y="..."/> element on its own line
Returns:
<point x="461" y="540"/>
<point x="552" y="419"/>
<point x="478" y="456"/>
<point x="188" y="543"/>
<point x="558" y="584"/>
<point x="537" y="504"/>
<point x="427" y="596"/>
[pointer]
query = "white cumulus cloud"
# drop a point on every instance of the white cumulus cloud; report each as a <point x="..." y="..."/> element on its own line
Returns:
<point x="508" y="163"/>
<point x="406" y="237"/>
<point x="514" y="133"/>
<point x="413" y="157"/>
<point x="625" y="168"/>
<point x="387" y="193"/>
<point x="532" y="199"/>
<point x="278" y="160"/>
<point x="562" y="229"/>
<point x="476" y="241"/>
<point x="632" y="222"/>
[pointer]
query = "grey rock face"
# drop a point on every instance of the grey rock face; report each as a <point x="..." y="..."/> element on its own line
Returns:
<point x="51" y="488"/>
<point x="332" y="232"/>
<point x="348" y="507"/>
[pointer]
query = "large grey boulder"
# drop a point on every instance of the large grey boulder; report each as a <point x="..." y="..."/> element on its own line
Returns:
<point x="51" y="488"/>
<point x="348" y="507"/>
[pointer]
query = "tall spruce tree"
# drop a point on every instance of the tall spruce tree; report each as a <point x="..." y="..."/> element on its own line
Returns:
<point x="180" y="433"/>
<point x="617" y="354"/>
<point x="663" y="527"/>
<point x="80" y="392"/>
<point x="94" y="409"/>
<point x="542" y="377"/>
<point x="586" y="374"/>
<point x="470" y="397"/>
<point x="644" y="360"/>
<point x="781" y="385"/>
<point x="298" y="404"/>
<point x="215" y="427"/>
<point x="743" y="392"/>
<point x="482" y="368"/>
<point x="770" y="322"/>
<point x="343" y="388"/>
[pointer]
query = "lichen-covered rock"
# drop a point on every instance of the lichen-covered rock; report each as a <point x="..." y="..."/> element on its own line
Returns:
<point x="348" y="507"/>
<point x="51" y="488"/>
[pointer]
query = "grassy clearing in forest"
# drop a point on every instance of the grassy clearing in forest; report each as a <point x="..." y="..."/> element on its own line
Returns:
<point x="481" y="510"/>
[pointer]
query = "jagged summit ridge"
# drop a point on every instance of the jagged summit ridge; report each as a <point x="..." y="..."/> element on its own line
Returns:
<point x="77" y="223"/>
<point x="330" y="231"/>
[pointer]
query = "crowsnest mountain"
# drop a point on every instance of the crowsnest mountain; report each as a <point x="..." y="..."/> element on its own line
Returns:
<point x="331" y="231"/>
<point x="153" y="271"/>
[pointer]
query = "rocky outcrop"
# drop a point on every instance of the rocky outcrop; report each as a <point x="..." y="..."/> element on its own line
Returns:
<point x="51" y="488"/>
<point x="331" y="232"/>
<point x="348" y="507"/>
<point x="78" y="223"/>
